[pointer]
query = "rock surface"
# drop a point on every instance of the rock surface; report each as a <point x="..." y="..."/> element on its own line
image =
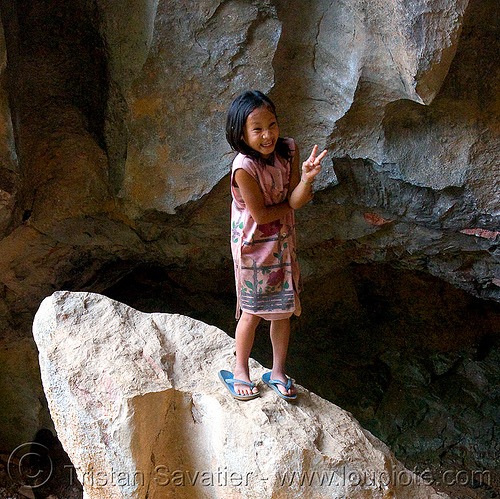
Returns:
<point x="137" y="405"/>
<point x="175" y="125"/>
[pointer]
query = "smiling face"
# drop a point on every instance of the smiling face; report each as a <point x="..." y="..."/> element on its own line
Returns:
<point x="261" y="131"/>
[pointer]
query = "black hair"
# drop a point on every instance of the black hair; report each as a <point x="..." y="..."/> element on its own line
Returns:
<point x="237" y="115"/>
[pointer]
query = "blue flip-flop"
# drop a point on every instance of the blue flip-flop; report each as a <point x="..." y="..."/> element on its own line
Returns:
<point x="272" y="383"/>
<point x="228" y="381"/>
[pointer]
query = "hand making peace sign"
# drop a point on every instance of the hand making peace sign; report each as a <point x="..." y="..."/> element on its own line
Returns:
<point x="311" y="166"/>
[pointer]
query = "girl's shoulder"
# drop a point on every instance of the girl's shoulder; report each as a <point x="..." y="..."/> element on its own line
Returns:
<point x="245" y="162"/>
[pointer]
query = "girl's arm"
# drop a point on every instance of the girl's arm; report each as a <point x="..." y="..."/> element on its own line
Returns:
<point x="301" y="185"/>
<point x="252" y="195"/>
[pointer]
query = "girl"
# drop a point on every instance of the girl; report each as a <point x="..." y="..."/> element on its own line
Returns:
<point x="266" y="187"/>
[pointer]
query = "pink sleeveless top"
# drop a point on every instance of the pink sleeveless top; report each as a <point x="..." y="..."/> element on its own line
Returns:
<point x="265" y="264"/>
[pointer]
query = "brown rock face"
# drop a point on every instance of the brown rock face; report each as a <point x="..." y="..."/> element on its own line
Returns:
<point x="113" y="179"/>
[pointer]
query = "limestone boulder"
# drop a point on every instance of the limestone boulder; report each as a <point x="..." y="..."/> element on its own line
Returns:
<point x="137" y="405"/>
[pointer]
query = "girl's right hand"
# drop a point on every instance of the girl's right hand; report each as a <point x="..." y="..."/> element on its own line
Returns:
<point x="312" y="165"/>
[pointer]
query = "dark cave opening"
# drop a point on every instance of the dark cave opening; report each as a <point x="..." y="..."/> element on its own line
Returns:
<point x="56" y="57"/>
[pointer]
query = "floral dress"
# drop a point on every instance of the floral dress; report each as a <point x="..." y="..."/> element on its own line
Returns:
<point x="265" y="264"/>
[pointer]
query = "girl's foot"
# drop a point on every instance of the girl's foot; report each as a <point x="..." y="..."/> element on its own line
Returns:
<point x="282" y="377"/>
<point x="241" y="389"/>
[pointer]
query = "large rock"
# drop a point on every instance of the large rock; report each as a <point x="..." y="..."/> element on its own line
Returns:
<point x="340" y="63"/>
<point x="137" y="405"/>
<point x="332" y="68"/>
<point x="200" y="57"/>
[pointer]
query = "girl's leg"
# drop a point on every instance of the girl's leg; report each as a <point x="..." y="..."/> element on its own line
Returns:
<point x="280" y="335"/>
<point x="245" y="335"/>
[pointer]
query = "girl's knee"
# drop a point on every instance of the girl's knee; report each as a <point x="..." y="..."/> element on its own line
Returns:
<point x="250" y="319"/>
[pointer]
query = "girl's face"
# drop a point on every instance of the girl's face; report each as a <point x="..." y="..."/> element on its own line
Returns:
<point x="261" y="131"/>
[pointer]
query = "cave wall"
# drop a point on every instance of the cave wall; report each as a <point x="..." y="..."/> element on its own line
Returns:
<point x="406" y="107"/>
<point x="113" y="157"/>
